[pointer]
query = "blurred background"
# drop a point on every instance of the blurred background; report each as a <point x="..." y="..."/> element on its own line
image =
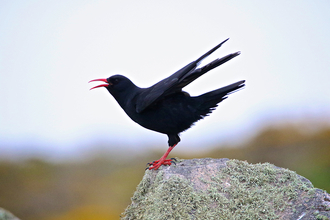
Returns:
<point x="70" y="153"/>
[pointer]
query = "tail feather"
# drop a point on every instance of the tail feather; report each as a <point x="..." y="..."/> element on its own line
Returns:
<point x="209" y="101"/>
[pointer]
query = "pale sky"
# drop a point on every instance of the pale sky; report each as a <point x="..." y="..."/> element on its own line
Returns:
<point x="50" y="49"/>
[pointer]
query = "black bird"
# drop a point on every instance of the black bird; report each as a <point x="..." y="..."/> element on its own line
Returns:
<point x="164" y="107"/>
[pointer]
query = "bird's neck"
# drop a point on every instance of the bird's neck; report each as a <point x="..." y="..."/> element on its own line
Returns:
<point x="126" y="98"/>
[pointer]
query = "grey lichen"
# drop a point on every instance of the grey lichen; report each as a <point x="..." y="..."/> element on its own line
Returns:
<point x="234" y="190"/>
<point x="6" y="215"/>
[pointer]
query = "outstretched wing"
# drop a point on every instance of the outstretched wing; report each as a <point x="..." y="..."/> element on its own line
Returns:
<point x="179" y="79"/>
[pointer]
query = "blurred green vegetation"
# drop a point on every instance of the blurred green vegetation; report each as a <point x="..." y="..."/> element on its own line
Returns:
<point x="101" y="187"/>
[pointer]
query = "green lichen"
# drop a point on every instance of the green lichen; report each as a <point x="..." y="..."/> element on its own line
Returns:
<point x="238" y="191"/>
<point x="166" y="199"/>
<point x="6" y="215"/>
<point x="261" y="188"/>
<point x="321" y="217"/>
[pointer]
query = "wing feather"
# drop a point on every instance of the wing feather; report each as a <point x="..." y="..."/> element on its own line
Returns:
<point x="179" y="79"/>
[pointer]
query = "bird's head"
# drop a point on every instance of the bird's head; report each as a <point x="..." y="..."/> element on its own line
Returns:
<point x="117" y="85"/>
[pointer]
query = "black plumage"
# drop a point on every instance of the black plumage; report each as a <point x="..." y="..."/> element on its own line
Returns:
<point x="164" y="107"/>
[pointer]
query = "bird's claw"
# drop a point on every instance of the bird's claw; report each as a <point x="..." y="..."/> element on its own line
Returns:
<point x="149" y="164"/>
<point x="157" y="163"/>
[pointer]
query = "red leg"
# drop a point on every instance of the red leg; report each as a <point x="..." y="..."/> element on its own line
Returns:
<point x="162" y="161"/>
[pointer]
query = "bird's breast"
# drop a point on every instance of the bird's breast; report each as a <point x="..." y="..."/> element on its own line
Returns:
<point x="170" y="115"/>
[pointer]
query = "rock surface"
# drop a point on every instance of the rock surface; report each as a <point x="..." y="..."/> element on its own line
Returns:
<point x="5" y="215"/>
<point x="226" y="189"/>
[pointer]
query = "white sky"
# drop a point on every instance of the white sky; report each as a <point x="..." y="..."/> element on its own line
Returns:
<point x="50" y="49"/>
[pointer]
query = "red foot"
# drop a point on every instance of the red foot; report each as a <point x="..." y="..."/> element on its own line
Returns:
<point x="156" y="164"/>
<point x="162" y="161"/>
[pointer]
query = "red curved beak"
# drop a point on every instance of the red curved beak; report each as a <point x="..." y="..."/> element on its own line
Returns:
<point x="102" y="85"/>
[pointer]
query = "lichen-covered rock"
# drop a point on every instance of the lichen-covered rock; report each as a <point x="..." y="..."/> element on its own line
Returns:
<point x="226" y="189"/>
<point x="5" y="215"/>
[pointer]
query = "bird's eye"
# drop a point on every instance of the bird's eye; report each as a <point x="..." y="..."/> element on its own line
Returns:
<point x="115" y="81"/>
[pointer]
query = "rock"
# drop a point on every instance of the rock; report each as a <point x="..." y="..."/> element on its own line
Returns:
<point x="5" y="215"/>
<point x="226" y="189"/>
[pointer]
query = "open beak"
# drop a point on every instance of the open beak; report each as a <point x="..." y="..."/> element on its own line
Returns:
<point x="102" y="85"/>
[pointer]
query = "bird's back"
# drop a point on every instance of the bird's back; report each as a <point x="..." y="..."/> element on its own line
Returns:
<point x="179" y="111"/>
